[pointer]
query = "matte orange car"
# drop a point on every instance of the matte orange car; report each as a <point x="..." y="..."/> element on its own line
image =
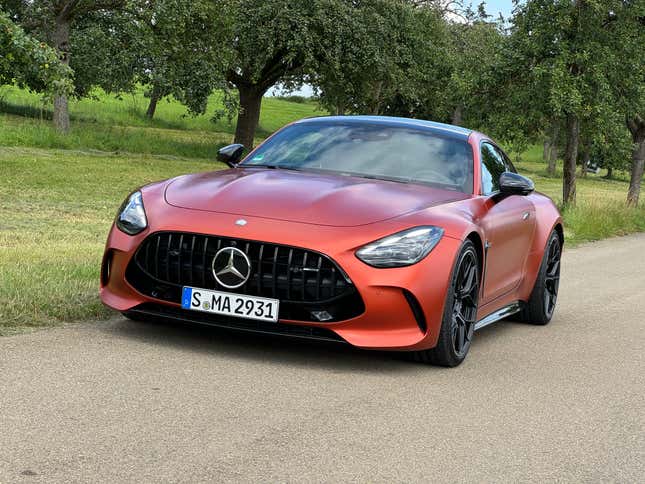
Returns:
<point x="385" y="233"/>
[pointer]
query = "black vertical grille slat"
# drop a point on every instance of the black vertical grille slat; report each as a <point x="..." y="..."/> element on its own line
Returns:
<point x="204" y="261"/>
<point x="245" y="287"/>
<point x="333" y="281"/>
<point x="179" y="267"/>
<point x="287" y="273"/>
<point x="260" y="268"/>
<point x="289" y="259"/>
<point x="304" y="276"/>
<point x="318" y="277"/>
<point x="167" y="258"/>
<point x="148" y="255"/>
<point x="192" y="255"/>
<point x="274" y="272"/>
<point x="158" y="239"/>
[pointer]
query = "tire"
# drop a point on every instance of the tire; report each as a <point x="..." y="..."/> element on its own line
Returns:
<point x="541" y="304"/>
<point x="460" y="312"/>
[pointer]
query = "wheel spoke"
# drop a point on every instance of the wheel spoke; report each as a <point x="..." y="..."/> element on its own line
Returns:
<point x="461" y="337"/>
<point x="470" y="281"/>
<point x="554" y="269"/>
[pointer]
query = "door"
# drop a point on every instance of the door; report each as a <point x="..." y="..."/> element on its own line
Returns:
<point x="508" y="223"/>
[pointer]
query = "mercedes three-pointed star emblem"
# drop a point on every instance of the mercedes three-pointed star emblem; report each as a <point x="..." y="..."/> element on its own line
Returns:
<point x="231" y="267"/>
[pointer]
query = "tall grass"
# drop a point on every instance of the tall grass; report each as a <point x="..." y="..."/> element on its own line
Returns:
<point x="591" y="220"/>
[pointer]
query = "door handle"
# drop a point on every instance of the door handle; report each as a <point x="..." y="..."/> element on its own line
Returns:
<point x="526" y="215"/>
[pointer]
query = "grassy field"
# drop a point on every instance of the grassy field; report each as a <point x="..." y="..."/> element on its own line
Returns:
<point x="111" y="124"/>
<point x="59" y="194"/>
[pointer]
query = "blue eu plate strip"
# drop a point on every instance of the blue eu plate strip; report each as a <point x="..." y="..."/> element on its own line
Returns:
<point x="186" y="296"/>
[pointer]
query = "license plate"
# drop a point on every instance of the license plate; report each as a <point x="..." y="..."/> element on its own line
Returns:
<point x="237" y="305"/>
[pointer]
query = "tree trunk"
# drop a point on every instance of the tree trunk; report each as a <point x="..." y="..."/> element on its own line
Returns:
<point x="546" y="149"/>
<point x="155" y="95"/>
<point x="249" y="115"/>
<point x="610" y="173"/>
<point x="553" y="148"/>
<point x="457" y="115"/>
<point x="637" y="129"/>
<point x="586" y="157"/>
<point x="638" y="166"/>
<point x="61" y="42"/>
<point x="570" y="159"/>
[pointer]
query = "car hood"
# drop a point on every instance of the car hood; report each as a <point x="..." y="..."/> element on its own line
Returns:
<point x="306" y="197"/>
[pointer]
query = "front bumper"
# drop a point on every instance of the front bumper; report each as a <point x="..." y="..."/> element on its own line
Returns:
<point x="403" y="306"/>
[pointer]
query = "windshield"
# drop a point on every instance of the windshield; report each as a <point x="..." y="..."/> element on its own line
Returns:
<point x="398" y="153"/>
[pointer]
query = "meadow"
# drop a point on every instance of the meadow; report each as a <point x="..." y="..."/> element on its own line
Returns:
<point x="59" y="194"/>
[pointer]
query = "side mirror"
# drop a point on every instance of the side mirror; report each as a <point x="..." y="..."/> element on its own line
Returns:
<point x="514" y="184"/>
<point x="230" y="154"/>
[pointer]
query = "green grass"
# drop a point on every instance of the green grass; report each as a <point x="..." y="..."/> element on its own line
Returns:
<point x="108" y="123"/>
<point x="59" y="194"/>
<point x="600" y="211"/>
<point x="55" y="210"/>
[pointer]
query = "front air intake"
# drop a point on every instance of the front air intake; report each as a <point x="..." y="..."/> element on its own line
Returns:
<point x="303" y="280"/>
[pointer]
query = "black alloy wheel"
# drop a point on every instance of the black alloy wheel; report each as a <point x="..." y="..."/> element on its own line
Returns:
<point x="540" y="307"/>
<point x="552" y="276"/>
<point x="460" y="312"/>
<point x="464" y="306"/>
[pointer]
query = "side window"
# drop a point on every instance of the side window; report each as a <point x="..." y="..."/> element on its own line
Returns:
<point x="493" y="166"/>
<point x="507" y="161"/>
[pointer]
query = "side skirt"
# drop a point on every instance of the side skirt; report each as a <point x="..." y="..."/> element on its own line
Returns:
<point x="498" y="315"/>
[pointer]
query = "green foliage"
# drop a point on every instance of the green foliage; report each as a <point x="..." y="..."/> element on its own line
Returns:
<point x="384" y="58"/>
<point x="26" y="62"/>
<point x="105" y="49"/>
<point x="181" y="48"/>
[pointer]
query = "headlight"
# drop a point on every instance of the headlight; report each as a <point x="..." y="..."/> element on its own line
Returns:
<point x="132" y="216"/>
<point x="401" y="249"/>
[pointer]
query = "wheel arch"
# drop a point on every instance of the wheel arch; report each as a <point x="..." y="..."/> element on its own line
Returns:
<point x="548" y="221"/>
<point x="476" y="239"/>
<point x="560" y="231"/>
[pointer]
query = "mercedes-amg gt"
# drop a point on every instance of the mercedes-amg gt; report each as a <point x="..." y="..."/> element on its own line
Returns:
<point x="385" y="233"/>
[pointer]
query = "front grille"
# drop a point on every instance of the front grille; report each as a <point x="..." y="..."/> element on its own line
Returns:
<point x="303" y="280"/>
<point x="156" y="312"/>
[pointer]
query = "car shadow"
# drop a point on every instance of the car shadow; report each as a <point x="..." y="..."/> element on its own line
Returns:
<point x="277" y="350"/>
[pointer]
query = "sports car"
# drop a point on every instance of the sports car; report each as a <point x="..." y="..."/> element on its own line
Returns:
<point x="384" y="233"/>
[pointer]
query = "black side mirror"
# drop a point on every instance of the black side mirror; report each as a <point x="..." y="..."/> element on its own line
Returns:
<point x="230" y="154"/>
<point x="514" y="184"/>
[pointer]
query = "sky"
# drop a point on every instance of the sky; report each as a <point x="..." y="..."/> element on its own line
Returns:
<point x="493" y="7"/>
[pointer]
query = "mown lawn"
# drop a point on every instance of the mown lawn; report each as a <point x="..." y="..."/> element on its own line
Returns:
<point x="59" y="195"/>
<point x="55" y="210"/>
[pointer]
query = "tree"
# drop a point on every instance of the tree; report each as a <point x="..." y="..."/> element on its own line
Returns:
<point x="380" y="58"/>
<point x="181" y="50"/>
<point x="567" y="52"/>
<point x="271" y="41"/>
<point x="473" y="52"/>
<point x="636" y="126"/>
<point x="628" y="27"/>
<point x="29" y="63"/>
<point x="52" y="20"/>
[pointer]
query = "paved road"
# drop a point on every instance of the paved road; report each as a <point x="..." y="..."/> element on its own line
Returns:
<point x="121" y="401"/>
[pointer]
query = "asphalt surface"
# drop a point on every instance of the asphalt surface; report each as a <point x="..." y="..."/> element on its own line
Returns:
<point x="123" y="401"/>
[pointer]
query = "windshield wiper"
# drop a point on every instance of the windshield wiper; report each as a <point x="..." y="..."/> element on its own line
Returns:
<point x="273" y="167"/>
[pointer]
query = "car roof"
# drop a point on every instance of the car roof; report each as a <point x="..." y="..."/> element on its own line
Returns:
<point x="439" y="128"/>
